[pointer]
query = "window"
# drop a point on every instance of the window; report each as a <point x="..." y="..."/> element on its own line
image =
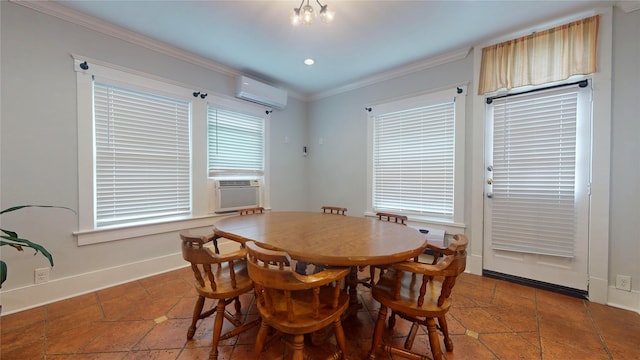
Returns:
<point x="143" y="148"/>
<point x="142" y="155"/>
<point x="235" y="142"/>
<point x="135" y="149"/>
<point x="417" y="156"/>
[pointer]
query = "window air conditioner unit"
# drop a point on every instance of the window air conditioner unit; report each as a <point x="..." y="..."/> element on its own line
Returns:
<point x="261" y="93"/>
<point x="231" y="195"/>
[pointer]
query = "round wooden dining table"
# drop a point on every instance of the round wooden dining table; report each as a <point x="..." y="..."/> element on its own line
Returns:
<point x="327" y="239"/>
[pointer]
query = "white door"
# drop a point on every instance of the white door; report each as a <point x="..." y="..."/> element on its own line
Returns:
<point x="536" y="206"/>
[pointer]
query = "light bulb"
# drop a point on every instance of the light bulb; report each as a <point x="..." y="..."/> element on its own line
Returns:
<point x="295" y="17"/>
<point x="326" y="15"/>
<point x="307" y="14"/>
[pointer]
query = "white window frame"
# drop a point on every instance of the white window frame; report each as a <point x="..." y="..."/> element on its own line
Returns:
<point x="456" y="221"/>
<point x="87" y="232"/>
<point x="243" y="107"/>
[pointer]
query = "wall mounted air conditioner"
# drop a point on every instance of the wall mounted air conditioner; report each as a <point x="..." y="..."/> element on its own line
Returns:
<point x="261" y="93"/>
<point x="231" y="195"/>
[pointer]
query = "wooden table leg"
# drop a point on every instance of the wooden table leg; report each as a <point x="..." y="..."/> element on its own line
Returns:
<point x="354" y="305"/>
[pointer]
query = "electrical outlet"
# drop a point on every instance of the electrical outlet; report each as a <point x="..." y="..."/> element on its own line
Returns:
<point x="623" y="282"/>
<point x="41" y="275"/>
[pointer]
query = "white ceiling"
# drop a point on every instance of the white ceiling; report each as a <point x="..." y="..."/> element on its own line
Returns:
<point x="365" y="39"/>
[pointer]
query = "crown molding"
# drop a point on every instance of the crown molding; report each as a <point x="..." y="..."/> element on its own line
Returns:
<point x="90" y="22"/>
<point x="397" y="72"/>
<point x="628" y="6"/>
<point x="107" y="28"/>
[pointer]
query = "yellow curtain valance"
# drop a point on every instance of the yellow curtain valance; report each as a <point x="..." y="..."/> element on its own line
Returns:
<point x="546" y="56"/>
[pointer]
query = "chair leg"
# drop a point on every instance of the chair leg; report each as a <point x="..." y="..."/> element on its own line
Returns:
<point x="448" y="344"/>
<point x="196" y="315"/>
<point x="377" y="331"/>
<point x="238" y="305"/>
<point x="339" y="333"/>
<point x="434" y="341"/>
<point x="217" y="329"/>
<point x="297" y="347"/>
<point x="260" y="339"/>
<point x="408" y="343"/>
<point x="392" y="319"/>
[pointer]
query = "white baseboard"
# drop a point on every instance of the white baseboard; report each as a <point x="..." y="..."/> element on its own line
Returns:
<point x="31" y="296"/>
<point x="628" y="300"/>
<point x="598" y="290"/>
<point x="474" y="264"/>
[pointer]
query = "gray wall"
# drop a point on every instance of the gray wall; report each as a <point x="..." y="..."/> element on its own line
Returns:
<point x="38" y="143"/>
<point x="624" y="251"/>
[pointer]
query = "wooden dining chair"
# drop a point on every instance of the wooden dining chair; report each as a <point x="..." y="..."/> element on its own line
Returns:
<point x="334" y="210"/>
<point x="220" y="277"/>
<point x="420" y="293"/>
<point x="253" y="210"/>
<point x="295" y="304"/>
<point x="402" y="219"/>
<point x="383" y="216"/>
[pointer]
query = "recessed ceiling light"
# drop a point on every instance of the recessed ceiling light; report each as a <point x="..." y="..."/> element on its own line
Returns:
<point x="309" y="61"/>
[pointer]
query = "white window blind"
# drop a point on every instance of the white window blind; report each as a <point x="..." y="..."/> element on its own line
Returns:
<point x="142" y="149"/>
<point x="235" y="142"/>
<point x="413" y="159"/>
<point x="534" y="172"/>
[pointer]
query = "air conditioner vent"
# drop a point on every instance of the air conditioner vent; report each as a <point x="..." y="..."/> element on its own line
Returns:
<point x="230" y="183"/>
<point x="233" y="194"/>
<point x="261" y="93"/>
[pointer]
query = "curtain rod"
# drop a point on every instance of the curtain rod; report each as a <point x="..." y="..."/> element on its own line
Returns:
<point x="581" y="83"/>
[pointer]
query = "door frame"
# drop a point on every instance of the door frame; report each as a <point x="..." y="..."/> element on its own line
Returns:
<point x="598" y="267"/>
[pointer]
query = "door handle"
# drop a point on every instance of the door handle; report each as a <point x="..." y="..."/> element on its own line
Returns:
<point x="489" y="195"/>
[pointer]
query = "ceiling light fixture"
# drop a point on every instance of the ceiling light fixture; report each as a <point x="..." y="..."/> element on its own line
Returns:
<point x="305" y="14"/>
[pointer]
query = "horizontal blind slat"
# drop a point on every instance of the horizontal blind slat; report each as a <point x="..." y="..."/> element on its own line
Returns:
<point x="235" y="141"/>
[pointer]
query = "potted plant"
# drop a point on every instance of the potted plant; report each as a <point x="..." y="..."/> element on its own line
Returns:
<point x="11" y="238"/>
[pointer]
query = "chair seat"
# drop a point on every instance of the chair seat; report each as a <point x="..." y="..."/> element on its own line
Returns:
<point x="224" y="288"/>
<point x="407" y="302"/>
<point x="304" y="321"/>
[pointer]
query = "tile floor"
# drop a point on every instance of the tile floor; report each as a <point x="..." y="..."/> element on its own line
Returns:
<point x="148" y="319"/>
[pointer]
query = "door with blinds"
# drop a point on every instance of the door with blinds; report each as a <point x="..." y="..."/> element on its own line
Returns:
<point x="537" y="178"/>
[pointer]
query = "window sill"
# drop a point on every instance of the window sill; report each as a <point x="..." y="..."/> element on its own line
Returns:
<point x="88" y="237"/>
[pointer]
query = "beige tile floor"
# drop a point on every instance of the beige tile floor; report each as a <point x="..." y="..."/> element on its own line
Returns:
<point x="148" y="319"/>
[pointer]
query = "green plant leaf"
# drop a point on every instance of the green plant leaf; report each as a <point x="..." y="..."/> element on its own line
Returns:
<point x="9" y="232"/>
<point x="14" y="208"/>
<point x="18" y="242"/>
<point x="3" y="272"/>
<point x="13" y="245"/>
<point x="12" y="239"/>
